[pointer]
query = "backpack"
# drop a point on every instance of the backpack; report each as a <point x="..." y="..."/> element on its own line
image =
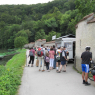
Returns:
<point x="39" y="53"/>
<point x="31" y="53"/>
<point x="47" y="59"/>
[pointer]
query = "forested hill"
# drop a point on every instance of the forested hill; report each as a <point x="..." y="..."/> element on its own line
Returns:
<point x="40" y="21"/>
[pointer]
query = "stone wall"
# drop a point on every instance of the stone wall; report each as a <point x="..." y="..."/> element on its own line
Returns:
<point x="85" y="36"/>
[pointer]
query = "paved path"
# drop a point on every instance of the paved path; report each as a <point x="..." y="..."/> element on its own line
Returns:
<point x="52" y="83"/>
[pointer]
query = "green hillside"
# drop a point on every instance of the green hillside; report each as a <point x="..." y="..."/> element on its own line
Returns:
<point x="39" y="21"/>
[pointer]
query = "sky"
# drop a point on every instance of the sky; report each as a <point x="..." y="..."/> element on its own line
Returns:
<point x="9" y="2"/>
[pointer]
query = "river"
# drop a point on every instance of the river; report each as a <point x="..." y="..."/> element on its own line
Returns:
<point x="5" y="59"/>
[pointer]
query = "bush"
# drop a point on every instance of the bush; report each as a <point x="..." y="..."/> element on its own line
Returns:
<point x="10" y="76"/>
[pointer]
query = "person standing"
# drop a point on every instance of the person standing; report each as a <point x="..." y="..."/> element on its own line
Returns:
<point x="63" y="59"/>
<point x="51" y="55"/>
<point x="47" y="60"/>
<point x="41" y="58"/>
<point x="32" y="55"/>
<point x="86" y="57"/>
<point x="58" y="52"/>
<point x="54" y="64"/>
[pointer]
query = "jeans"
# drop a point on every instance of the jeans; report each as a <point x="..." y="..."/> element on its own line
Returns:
<point x="51" y="62"/>
<point x="41" y="60"/>
<point x="47" y="65"/>
<point x="54" y="64"/>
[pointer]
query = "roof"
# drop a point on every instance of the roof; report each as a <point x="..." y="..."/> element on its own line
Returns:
<point x="69" y="36"/>
<point x="91" y="21"/>
<point x="84" y="18"/>
<point x="44" y="39"/>
<point x="41" y="40"/>
<point x="32" y="43"/>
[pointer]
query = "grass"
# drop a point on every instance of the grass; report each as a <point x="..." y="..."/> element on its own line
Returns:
<point x="10" y="76"/>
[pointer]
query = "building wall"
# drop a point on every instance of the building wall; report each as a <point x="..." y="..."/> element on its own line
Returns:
<point x="31" y="45"/>
<point x="85" y="36"/>
<point x="49" y="44"/>
<point x="38" y="43"/>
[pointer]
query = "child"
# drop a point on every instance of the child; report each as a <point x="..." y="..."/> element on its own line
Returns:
<point x="47" y="59"/>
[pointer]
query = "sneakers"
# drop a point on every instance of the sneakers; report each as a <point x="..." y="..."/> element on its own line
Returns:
<point x="64" y="71"/>
<point x="86" y="84"/>
<point x="59" y="72"/>
<point x="43" y="70"/>
<point x="39" y="70"/>
<point x="83" y="81"/>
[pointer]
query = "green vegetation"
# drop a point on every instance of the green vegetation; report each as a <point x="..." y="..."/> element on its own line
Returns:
<point x="39" y="21"/>
<point x="9" y="52"/>
<point x="10" y="75"/>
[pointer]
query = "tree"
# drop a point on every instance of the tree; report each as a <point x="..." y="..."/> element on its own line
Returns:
<point x="52" y="33"/>
<point x="40" y="34"/>
<point x="22" y="33"/>
<point x="84" y="6"/>
<point x="19" y="42"/>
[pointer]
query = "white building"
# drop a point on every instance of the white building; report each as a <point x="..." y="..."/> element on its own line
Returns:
<point x="85" y="36"/>
<point x="69" y="42"/>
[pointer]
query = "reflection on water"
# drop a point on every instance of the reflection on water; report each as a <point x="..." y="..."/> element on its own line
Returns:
<point x="5" y="60"/>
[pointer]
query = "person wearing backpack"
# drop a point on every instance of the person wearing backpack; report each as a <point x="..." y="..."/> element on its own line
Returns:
<point x="58" y="52"/>
<point x="32" y="55"/>
<point x="47" y="60"/>
<point x="40" y="54"/>
<point x="63" y="59"/>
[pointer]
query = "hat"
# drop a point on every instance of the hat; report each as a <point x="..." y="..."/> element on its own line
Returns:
<point x="87" y="47"/>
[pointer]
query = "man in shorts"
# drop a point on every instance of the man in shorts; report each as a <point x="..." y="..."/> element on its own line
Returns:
<point x="86" y="58"/>
<point x="63" y="59"/>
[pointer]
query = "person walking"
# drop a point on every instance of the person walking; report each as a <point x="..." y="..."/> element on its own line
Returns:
<point x="63" y="59"/>
<point x="32" y="55"/>
<point x="51" y="55"/>
<point x="47" y="60"/>
<point x="54" y="64"/>
<point x="86" y="57"/>
<point x="58" y="52"/>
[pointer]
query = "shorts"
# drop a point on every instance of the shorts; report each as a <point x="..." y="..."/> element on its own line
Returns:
<point x="58" y="61"/>
<point x="85" y="68"/>
<point x="63" y="62"/>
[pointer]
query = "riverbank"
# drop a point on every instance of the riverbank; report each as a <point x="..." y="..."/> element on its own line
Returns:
<point x="10" y="75"/>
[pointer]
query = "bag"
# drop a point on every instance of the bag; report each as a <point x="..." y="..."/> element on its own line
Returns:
<point x="40" y="53"/>
<point x="31" y="53"/>
<point x="37" y="62"/>
<point x="47" y="59"/>
<point x="57" y="58"/>
<point x="91" y="64"/>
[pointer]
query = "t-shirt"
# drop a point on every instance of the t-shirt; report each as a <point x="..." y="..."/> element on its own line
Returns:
<point x="51" y="54"/>
<point x="86" y="57"/>
<point x="58" y="52"/>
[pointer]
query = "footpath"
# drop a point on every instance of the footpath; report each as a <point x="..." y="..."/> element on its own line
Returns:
<point x="52" y="83"/>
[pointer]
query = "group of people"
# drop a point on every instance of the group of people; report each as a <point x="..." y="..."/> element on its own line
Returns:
<point x="53" y="57"/>
<point x="50" y="56"/>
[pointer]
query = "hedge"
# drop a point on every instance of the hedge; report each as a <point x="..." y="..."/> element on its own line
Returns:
<point x="10" y="75"/>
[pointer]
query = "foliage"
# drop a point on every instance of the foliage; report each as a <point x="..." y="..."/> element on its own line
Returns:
<point x="40" y="34"/>
<point x="10" y="76"/>
<point x="60" y="16"/>
<point x="20" y="41"/>
<point x="52" y="33"/>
